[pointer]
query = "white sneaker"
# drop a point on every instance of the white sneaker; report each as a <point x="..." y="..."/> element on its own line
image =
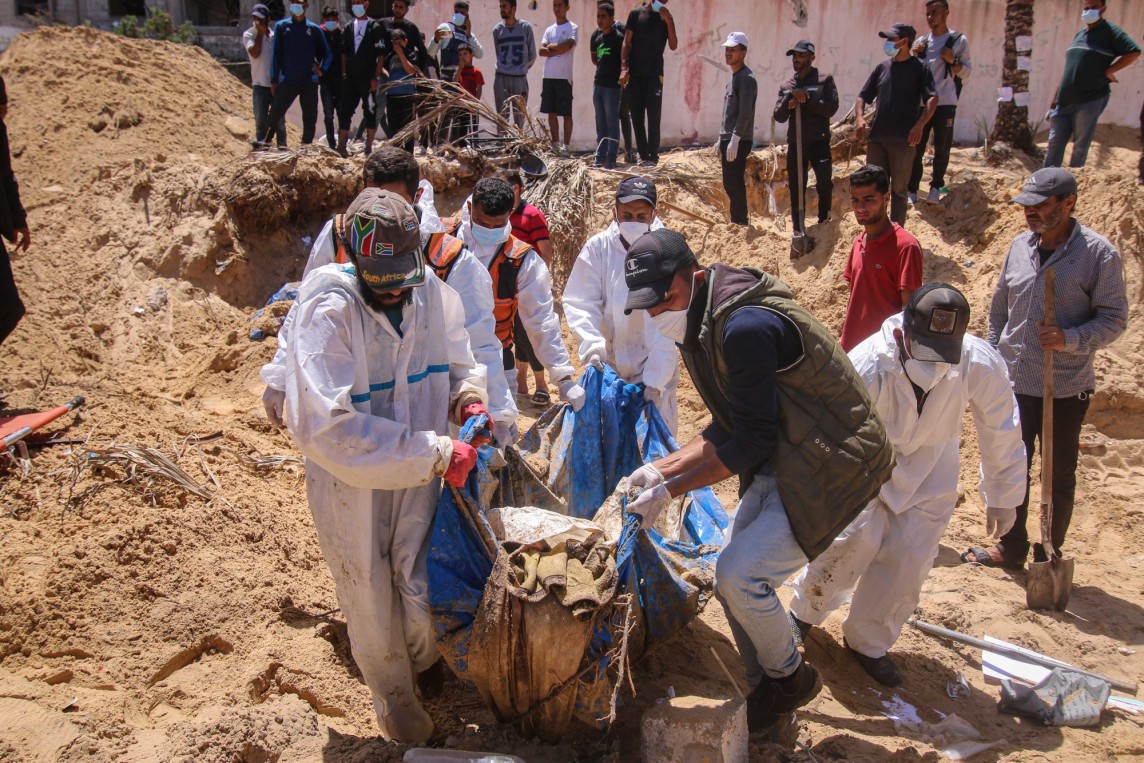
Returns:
<point x="934" y="196"/>
<point x="912" y="198"/>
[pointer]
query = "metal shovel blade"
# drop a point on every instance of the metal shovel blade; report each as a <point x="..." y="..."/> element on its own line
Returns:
<point x="800" y="244"/>
<point x="1049" y="584"/>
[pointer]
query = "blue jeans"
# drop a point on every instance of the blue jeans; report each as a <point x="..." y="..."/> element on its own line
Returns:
<point x="1077" y="122"/>
<point x="607" y="103"/>
<point x="758" y="556"/>
<point x="262" y="102"/>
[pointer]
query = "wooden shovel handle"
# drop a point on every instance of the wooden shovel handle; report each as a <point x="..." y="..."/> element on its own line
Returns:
<point x="1047" y="422"/>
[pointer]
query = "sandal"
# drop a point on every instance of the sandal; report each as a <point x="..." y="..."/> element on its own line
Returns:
<point x="978" y="555"/>
<point x="541" y="397"/>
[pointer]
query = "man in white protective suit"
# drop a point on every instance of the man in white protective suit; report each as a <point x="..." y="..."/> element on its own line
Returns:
<point x="521" y="284"/>
<point x="921" y="369"/>
<point x="595" y="296"/>
<point x="394" y="169"/>
<point x="377" y="366"/>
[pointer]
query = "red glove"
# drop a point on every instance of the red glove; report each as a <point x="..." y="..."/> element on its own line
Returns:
<point x="464" y="459"/>
<point x="476" y="409"/>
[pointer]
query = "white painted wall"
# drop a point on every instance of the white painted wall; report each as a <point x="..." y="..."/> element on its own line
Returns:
<point x="845" y="32"/>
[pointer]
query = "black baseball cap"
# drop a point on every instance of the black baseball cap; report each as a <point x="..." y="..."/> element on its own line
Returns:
<point x="260" y="11"/>
<point x="636" y="189"/>
<point x="802" y="46"/>
<point x="651" y="265"/>
<point x="898" y="31"/>
<point x="1044" y="184"/>
<point x="936" y="319"/>
<point x="382" y="234"/>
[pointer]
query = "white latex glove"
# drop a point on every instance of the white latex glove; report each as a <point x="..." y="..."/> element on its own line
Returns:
<point x="647" y="476"/>
<point x="999" y="521"/>
<point x="733" y="147"/>
<point x="573" y="394"/>
<point x="505" y="434"/>
<point x="273" y="400"/>
<point x="650" y="503"/>
<point x="595" y="361"/>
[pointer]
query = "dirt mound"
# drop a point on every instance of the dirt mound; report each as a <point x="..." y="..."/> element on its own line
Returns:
<point x="176" y="626"/>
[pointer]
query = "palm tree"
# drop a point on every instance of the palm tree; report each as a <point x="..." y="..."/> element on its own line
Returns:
<point x="1012" y="125"/>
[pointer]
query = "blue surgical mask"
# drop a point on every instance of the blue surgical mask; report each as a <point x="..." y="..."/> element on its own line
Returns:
<point x="330" y="25"/>
<point x="890" y="47"/>
<point x="487" y="238"/>
<point x="458" y="19"/>
<point x="656" y="6"/>
<point x="358" y="10"/>
<point x="1090" y="15"/>
<point x="297" y="9"/>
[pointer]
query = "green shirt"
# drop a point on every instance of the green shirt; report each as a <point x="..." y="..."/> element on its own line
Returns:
<point x="1091" y="53"/>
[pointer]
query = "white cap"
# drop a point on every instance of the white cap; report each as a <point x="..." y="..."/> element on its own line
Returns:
<point x="735" y="39"/>
<point x="448" y="30"/>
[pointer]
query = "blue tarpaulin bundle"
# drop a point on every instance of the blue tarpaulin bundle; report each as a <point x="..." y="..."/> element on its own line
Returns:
<point x="569" y="463"/>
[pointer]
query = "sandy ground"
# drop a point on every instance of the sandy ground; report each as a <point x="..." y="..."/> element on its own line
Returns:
<point x="139" y="622"/>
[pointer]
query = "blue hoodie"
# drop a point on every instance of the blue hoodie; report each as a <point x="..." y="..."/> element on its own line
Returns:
<point x="298" y="45"/>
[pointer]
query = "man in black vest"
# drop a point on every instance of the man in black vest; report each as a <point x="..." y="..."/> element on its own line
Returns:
<point x="364" y="43"/>
<point x="790" y="416"/>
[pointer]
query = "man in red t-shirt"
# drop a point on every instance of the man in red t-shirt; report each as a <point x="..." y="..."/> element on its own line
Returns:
<point x="531" y="226"/>
<point x="885" y="264"/>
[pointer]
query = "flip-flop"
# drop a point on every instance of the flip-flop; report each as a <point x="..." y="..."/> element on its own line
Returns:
<point x="541" y="397"/>
<point x="978" y="555"/>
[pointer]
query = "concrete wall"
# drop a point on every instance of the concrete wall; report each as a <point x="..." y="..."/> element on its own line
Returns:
<point x="845" y="32"/>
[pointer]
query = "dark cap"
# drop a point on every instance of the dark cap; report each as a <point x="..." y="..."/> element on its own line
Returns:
<point x="260" y="11"/>
<point x="802" y="46"/>
<point x="382" y="235"/>
<point x="1044" y="184"/>
<point x="636" y="189"/>
<point x="898" y="31"/>
<point x="651" y="264"/>
<point x="935" y="320"/>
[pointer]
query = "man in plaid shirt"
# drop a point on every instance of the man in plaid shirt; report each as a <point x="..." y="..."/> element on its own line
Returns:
<point x="1091" y="312"/>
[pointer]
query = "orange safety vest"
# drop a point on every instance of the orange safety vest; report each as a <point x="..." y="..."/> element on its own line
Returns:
<point x="441" y="252"/>
<point x="340" y="240"/>
<point x="504" y="269"/>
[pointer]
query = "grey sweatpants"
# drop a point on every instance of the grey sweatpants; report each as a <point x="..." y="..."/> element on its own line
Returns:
<point x="898" y="160"/>
<point x="505" y="86"/>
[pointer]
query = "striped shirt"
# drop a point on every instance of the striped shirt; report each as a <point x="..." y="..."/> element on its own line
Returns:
<point x="1091" y="306"/>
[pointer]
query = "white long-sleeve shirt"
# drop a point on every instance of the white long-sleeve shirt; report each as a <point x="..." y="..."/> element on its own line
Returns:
<point x="926" y="445"/>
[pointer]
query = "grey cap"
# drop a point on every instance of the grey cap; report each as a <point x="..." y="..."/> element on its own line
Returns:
<point x="936" y="319"/>
<point x="260" y="11"/>
<point x="802" y="46"/>
<point x="1044" y="184"/>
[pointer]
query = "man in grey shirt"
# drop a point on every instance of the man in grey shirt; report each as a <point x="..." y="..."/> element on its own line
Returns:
<point x="1091" y="312"/>
<point x="737" y="134"/>
<point x="946" y="53"/>
<point x="516" y="53"/>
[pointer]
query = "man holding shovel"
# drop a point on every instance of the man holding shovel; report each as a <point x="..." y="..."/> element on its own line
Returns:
<point x="738" y="131"/>
<point x="809" y="99"/>
<point x="1091" y="308"/>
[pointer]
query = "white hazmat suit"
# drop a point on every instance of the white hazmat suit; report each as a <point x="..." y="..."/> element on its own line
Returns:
<point x="467" y="277"/>
<point x="369" y="409"/>
<point x="594" y="300"/>
<point x="892" y="544"/>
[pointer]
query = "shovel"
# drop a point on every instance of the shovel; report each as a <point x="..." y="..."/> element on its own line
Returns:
<point x="800" y="243"/>
<point x="1049" y="583"/>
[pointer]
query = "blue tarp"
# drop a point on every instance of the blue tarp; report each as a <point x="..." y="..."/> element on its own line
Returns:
<point x="588" y="453"/>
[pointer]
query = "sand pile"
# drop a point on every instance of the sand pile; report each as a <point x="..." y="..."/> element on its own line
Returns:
<point x="140" y="622"/>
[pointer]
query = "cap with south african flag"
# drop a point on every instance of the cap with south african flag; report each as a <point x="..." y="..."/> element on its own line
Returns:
<point x="384" y="239"/>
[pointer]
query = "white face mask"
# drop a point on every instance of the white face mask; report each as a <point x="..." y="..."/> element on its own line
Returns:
<point x="1090" y="15"/>
<point x="673" y="323"/>
<point x="488" y="238"/>
<point x="458" y="19"/>
<point x="925" y="374"/>
<point x="358" y="10"/>
<point x="630" y="232"/>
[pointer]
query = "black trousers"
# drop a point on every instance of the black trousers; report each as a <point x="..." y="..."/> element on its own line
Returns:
<point x="1141" y="178"/>
<point x="626" y="119"/>
<point x="524" y="352"/>
<point x="308" y="96"/>
<point x="815" y="156"/>
<point x="734" y="178"/>
<point x="11" y="308"/>
<point x="645" y="100"/>
<point x="399" y="110"/>
<point x="356" y="91"/>
<point x="329" y="91"/>
<point x="941" y="127"/>
<point x="1068" y="416"/>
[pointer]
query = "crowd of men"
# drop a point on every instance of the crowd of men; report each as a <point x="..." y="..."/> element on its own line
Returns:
<point x="847" y="448"/>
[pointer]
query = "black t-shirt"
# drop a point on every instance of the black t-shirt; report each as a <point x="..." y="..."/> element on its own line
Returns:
<point x="1045" y="254"/>
<point x="334" y="40"/>
<point x="607" y="49"/>
<point x="900" y="89"/>
<point x="649" y="39"/>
